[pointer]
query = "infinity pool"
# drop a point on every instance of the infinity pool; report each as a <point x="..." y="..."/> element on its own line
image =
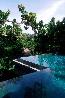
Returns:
<point x="48" y="83"/>
<point x="55" y="62"/>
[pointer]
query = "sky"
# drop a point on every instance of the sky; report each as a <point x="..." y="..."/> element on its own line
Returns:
<point x="45" y="9"/>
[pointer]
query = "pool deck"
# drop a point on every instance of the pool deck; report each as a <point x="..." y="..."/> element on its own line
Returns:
<point x="35" y="69"/>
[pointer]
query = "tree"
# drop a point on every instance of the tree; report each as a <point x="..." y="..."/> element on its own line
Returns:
<point x="10" y="43"/>
<point x="29" y="19"/>
<point x="61" y="35"/>
<point x="3" y="18"/>
<point x="51" y="32"/>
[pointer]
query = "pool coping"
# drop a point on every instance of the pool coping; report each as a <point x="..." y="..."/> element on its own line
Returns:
<point x="30" y="65"/>
<point x="26" y="65"/>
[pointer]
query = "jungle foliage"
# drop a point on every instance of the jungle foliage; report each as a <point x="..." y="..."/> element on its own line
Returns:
<point x="47" y="38"/>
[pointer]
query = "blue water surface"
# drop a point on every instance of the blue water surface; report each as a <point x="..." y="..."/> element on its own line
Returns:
<point x="55" y="62"/>
<point x="48" y="83"/>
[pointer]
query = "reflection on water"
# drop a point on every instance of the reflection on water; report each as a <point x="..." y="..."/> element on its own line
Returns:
<point x="9" y="86"/>
<point x="49" y="83"/>
<point x="35" y="85"/>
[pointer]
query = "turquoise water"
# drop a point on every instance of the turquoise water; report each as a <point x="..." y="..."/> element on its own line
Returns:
<point x="55" y="62"/>
<point x="48" y="83"/>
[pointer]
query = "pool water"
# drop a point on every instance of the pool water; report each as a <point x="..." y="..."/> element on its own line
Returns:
<point x="43" y="84"/>
<point x="55" y="62"/>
